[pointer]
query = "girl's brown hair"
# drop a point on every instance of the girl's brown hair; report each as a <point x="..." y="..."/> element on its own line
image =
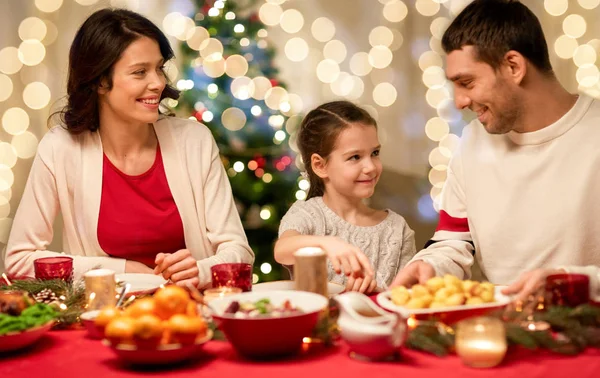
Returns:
<point x="98" y="45"/>
<point x="319" y="131"/>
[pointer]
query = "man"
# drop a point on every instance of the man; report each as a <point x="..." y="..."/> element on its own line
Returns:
<point x="523" y="190"/>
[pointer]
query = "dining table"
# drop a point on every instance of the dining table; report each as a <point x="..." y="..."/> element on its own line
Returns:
<point x="71" y="353"/>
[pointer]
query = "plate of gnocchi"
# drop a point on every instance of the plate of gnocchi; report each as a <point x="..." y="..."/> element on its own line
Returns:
<point x="447" y="299"/>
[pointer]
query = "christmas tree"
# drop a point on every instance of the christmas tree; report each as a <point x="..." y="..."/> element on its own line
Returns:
<point x="229" y="83"/>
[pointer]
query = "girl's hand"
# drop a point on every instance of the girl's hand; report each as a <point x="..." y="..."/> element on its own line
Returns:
<point x="365" y="285"/>
<point x="179" y="267"/>
<point x="346" y="257"/>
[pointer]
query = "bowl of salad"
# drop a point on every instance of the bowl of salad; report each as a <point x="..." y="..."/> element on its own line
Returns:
<point x="268" y="324"/>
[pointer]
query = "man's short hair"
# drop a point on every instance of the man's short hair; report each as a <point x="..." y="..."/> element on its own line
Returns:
<point x="495" y="27"/>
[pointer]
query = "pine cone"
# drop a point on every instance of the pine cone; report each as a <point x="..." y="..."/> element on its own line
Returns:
<point x="46" y="296"/>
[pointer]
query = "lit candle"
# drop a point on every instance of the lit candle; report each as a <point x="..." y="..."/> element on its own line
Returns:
<point x="481" y="342"/>
<point x="220" y="292"/>
<point x="100" y="288"/>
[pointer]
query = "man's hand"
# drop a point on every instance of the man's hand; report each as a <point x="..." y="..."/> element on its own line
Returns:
<point x="529" y="283"/>
<point x="415" y="272"/>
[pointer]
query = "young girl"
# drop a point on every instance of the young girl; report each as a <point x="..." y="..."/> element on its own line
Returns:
<point x="340" y="149"/>
<point x="138" y="192"/>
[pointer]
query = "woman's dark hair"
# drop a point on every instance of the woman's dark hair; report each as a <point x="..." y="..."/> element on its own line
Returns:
<point x="319" y="132"/>
<point x="495" y="27"/>
<point x="98" y="45"/>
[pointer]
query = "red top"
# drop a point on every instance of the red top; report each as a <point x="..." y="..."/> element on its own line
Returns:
<point x="138" y="216"/>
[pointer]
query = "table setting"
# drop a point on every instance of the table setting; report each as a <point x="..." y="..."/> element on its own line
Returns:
<point x="127" y="324"/>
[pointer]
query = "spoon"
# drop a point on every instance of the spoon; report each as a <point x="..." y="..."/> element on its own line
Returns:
<point x="124" y="291"/>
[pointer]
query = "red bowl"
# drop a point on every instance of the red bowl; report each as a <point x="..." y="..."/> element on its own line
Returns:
<point x="18" y="340"/>
<point x="269" y="337"/>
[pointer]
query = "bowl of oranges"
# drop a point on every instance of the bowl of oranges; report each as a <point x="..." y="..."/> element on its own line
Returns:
<point x="163" y="328"/>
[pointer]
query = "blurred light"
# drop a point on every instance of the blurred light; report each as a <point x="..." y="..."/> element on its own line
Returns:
<point x="450" y="143"/>
<point x="280" y="135"/>
<point x="173" y="24"/>
<point x="270" y="14"/>
<point x="395" y="11"/>
<point x="212" y="88"/>
<point x="25" y="144"/>
<point x="185" y="28"/>
<point x="86" y="2"/>
<point x="285" y="107"/>
<point x="36" y="95"/>
<point x="242" y="87"/>
<point x="233" y="119"/>
<point x="255" y="278"/>
<point x="236" y="66"/>
<point x="252" y="165"/>
<point x="220" y="4"/>
<point x="587" y="75"/>
<point x="565" y="46"/>
<point x="435" y="96"/>
<point x="447" y="111"/>
<point x="238" y="166"/>
<point x="335" y="50"/>
<point x="427" y="7"/>
<point x="434" y="77"/>
<point x="296" y="49"/>
<point x="327" y="71"/>
<point x="265" y="214"/>
<point x="292" y="21"/>
<point x="358" y="88"/>
<point x="556" y="7"/>
<point x="343" y="85"/>
<point x="6" y="87"/>
<point x="171" y="70"/>
<point x="304" y="184"/>
<point x="256" y="110"/>
<point x="51" y="33"/>
<point x="265" y="267"/>
<point x="296" y="104"/>
<point x="430" y="59"/>
<point x="300" y="195"/>
<point x="380" y="56"/>
<point x="207" y="116"/>
<point x="239" y="28"/>
<point x="584" y="54"/>
<point x="231" y="172"/>
<point x="196" y="36"/>
<point x="267" y="177"/>
<point x="262" y="33"/>
<point x="359" y="64"/>
<point x="262" y="44"/>
<point x="381" y="36"/>
<point x="172" y="102"/>
<point x="15" y="121"/>
<point x="426" y="209"/>
<point x="436" y="129"/>
<point x="323" y="29"/>
<point x="213" y="12"/>
<point x="4" y="208"/>
<point x="32" y="28"/>
<point x="589" y="4"/>
<point x="211" y="48"/>
<point x="437" y="177"/>
<point x="437" y="158"/>
<point x="439" y="26"/>
<point x="261" y="85"/>
<point x="275" y="96"/>
<point x="8" y="156"/>
<point x="245" y="42"/>
<point x="398" y="40"/>
<point x="230" y="16"/>
<point x="276" y="121"/>
<point x="48" y="6"/>
<point x="214" y="66"/>
<point x="31" y="52"/>
<point x="436" y="45"/>
<point x="384" y="94"/>
<point x="574" y="26"/>
<point x="6" y="177"/>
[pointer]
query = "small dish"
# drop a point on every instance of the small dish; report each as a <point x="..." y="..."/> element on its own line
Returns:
<point x="18" y="340"/>
<point x="332" y="288"/>
<point x="141" y="283"/>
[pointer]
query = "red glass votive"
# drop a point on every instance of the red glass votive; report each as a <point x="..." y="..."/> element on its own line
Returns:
<point x="232" y="275"/>
<point x="568" y="289"/>
<point x="49" y="268"/>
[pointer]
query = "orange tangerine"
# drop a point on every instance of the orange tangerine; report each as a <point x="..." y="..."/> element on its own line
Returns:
<point x="171" y="300"/>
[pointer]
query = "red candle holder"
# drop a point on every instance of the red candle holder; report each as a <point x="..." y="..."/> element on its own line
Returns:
<point x="568" y="289"/>
<point x="232" y="275"/>
<point x="49" y="268"/>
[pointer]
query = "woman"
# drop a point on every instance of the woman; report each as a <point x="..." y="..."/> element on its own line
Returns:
<point x="139" y="192"/>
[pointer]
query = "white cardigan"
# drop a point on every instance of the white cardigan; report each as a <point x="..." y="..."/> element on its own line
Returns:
<point x="66" y="175"/>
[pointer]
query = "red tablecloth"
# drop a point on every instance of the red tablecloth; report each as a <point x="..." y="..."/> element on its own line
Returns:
<point x="72" y="354"/>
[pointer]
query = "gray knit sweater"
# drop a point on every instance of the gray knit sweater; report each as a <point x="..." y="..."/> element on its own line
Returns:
<point x="389" y="245"/>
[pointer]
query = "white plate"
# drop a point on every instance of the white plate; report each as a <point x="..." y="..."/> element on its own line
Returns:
<point x="141" y="282"/>
<point x="385" y="301"/>
<point x="332" y="288"/>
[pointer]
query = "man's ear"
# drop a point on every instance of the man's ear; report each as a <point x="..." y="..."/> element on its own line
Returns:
<point x="318" y="164"/>
<point x="515" y="66"/>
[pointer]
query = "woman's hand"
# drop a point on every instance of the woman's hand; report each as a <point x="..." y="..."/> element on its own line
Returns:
<point x="179" y="267"/>
<point x="529" y="283"/>
<point x="346" y="257"/>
